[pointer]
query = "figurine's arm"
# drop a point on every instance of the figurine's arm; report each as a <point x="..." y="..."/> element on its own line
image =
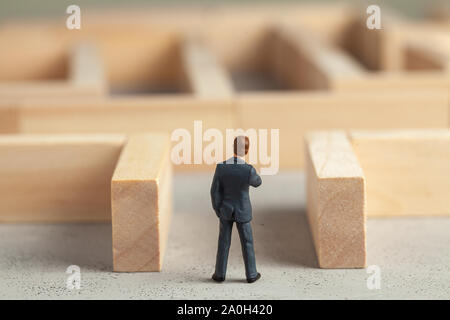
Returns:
<point x="216" y="197"/>
<point x="254" y="180"/>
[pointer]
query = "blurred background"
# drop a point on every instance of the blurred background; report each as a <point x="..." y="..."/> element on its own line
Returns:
<point x="25" y="8"/>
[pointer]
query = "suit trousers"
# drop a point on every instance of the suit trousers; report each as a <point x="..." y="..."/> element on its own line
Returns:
<point x="248" y="252"/>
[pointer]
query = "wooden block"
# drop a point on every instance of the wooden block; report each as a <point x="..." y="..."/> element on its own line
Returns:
<point x="155" y="64"/>
<point x="127" y="115"/>
<point x="407" y="172"/>
<point x="124" y="114"/>
<point x="57" y="178"/>
<point x="9" y="116"/>
<point x="85" y="79"/>
<point x="86" y="69"/>
<point x="335" y="201"/>
<point x="31" y="52"/>
<point x="427" y="47"/>
<point x="422" y="57"/>
<point x="44" y="89"/>
<point x="297" y="113"/>
<point x="380" y="49"/>
<point x="205" y="77"/>
<point x="141" y="203"/>
<point x="303" y="61"/>
<point x="398" y="81"/>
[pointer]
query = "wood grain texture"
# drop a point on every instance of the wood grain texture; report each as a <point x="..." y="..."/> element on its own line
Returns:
<point x="62" y="178"/>
<point x="407" y="172"/>
<point x="141" y="203"/>
<point x="335" y="201"/>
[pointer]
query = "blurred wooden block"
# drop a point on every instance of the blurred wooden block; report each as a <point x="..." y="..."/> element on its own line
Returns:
<point x="420" y="56"/>
<point x="85" y="79"/>
<point x="44" y="89"/>
<point x="129" y="115"/>
<point x="336" y="200"/>
<point x="123" y="114"/>
<point x="205" y="77"/>
<point x="61" y="178"/>
<point x="303" y="61"/>
<point x="9" y="116"/>
<point x="378" y="50"/>
<point x="153" y="48"/>
<point x="86" y="69"/>
<point x="296" y="113"/>
<point x="301" y="45"/>
<point x="407" y="172"/>
<point x="427" y="47"/>
<point x="141" y="203"/>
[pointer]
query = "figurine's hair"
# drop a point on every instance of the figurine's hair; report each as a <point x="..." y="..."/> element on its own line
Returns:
<point x="241" y="145"/>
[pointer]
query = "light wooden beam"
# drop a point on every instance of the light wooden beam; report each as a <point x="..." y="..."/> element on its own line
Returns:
<point x="44" y="89"/>
<point x="141" y="203"/>
<point x="125" y="115"/>
<point x="397" y="172"/>
<point x="335" y="200"/>
<point x="427" y="47"/>
<point x="57" y="178"/>
<point x="85" y="78"/>
<point x="304" y="61"/>
<point x="86" y="69"/>
<point x="9" y="116"/>
<point x="205" y="77"/>
<point x="407" y="172"/>
<point x="377" y="50"/>
<point x="296" y="113"/>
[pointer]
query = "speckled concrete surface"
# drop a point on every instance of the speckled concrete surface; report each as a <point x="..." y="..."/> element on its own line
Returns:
<point x="413" y="254"/>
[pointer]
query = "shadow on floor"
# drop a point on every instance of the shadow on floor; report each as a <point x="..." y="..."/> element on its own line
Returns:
<point x="283" y="237"/>
<point x="85" y="245"/>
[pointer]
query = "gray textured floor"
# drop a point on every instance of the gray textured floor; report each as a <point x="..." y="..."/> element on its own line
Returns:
<point x="413" y="254"/>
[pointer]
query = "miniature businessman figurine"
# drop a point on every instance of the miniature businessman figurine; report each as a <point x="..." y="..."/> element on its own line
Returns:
<point x="231" y="202"/>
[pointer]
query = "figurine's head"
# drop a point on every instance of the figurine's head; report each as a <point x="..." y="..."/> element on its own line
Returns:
<point x="241" y="145"/>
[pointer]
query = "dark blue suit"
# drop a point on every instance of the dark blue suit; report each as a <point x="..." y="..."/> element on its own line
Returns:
<point x="231" y="202"/>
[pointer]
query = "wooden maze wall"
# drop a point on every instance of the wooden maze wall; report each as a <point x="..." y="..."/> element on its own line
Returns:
<point x="81" y="112"/>
<point x="295" y="68"/>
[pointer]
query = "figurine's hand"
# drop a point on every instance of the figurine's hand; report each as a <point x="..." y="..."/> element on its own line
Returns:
<point x="255" y="180"/>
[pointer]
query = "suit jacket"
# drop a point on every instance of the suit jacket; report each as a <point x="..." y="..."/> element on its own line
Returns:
<point x="229" y="189"/>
